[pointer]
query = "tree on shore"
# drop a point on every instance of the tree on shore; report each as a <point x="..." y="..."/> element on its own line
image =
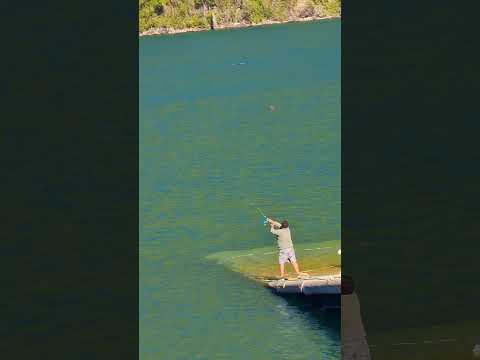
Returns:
<point x="184" y="14"/>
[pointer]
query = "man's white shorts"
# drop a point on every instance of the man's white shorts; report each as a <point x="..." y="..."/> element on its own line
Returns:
<point x="286" y="255"/>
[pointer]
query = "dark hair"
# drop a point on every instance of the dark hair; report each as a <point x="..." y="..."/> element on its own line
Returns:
<point x="284" y="224"/>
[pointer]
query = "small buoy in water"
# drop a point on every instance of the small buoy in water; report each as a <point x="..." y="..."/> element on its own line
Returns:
<point x="339" y="252"/>
<point x="476" y="350"/>
<point x="272" y="108"/>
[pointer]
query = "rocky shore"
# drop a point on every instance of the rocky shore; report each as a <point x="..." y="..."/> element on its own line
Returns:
<point x="170" y="31"/>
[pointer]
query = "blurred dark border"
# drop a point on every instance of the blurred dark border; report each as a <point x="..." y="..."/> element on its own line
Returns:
<point x="410" y="175"/>
<point x="70" y="180"/>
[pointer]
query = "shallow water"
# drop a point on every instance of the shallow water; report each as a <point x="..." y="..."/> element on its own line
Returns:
<point x="317" y="259"/>
<point x="229" y="121"/>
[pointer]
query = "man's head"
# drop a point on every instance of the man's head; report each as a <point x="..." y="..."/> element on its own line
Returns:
<point x="284" y="224"/>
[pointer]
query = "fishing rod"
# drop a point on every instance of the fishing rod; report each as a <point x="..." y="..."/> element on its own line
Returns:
<point x="260" y="211"/>
<point x="265" y="219"/>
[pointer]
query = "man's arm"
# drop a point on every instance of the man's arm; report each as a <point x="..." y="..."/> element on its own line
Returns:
<point x="273" y="230"/>
<point x="274" y="223"/>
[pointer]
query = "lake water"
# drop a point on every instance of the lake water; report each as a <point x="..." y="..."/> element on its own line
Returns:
<point x="229" y="121"/>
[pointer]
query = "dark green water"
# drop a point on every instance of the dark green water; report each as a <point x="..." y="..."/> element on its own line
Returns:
<point x="210" y="147"/>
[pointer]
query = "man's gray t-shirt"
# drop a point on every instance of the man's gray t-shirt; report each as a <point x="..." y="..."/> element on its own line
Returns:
<point x="284" y="238"/>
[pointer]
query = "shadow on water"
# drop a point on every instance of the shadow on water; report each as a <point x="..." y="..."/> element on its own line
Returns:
<point x="322" y="311"/>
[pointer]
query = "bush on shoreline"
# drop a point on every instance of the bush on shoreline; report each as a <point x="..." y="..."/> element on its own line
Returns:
<point x="186" y="14"/>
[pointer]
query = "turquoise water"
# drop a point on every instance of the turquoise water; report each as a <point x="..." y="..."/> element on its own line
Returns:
<point x="231" y="120"/>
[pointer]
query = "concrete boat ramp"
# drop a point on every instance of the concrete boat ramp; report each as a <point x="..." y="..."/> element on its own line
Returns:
<point x="312" y="285"/>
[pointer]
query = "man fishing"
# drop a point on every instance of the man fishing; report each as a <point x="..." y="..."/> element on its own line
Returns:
<point x="285" y="246"/>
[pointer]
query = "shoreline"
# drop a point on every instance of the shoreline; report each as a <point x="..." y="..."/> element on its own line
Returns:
<point x="171" y="31"/>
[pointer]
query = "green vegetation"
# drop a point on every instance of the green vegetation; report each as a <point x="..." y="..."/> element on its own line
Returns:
<point x="185" y="14"/>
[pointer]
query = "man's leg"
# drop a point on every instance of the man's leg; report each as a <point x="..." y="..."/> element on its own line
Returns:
<point x="282" y="259"/>
<point x="297" y="269"/>
<point x="282" y="270"/>
<point x="293" y="260"/>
